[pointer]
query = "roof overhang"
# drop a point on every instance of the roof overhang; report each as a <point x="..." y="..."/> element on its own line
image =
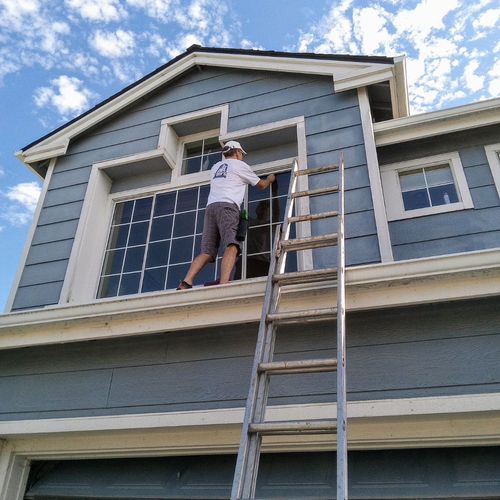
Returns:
<point x="410" y="128"/>
<point x="347" y="72"/>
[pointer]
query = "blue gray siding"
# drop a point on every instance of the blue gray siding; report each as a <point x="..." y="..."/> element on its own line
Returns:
<point x="407" y="352"/>
<point x="461" y="231"/>
<point x="332" y="124"/>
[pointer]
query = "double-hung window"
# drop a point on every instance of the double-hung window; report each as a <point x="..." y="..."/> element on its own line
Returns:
<point x="425" y="186"/>
<point x="153" y="239"/>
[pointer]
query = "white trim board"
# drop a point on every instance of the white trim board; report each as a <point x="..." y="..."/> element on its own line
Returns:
<point x="401" y="283"/>
<point x="493" y="155"/>
<point x="57" y="144"/>
<point x="371" y="409"/>
<point x="415" y="127"/>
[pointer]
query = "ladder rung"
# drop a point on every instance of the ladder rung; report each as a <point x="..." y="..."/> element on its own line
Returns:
<point x="327" y="426"/>
<point x="302" y="366"/>
<point x="301" y="218"/>
<point x="317" y="170"/>
<point x="324" y="240"/>
<point x="316" y="192"/>
<point x="305" y="276"/>
<point x="303" y="316"/>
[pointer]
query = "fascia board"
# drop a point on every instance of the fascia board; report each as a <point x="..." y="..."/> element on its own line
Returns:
<point x="362" y="78"/>
<point x="57" y="144"/>
<point x="437" y="122"/>
<point x="400" y="85"/>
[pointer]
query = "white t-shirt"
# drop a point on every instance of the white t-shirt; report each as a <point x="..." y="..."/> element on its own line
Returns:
<point x="228" y="179"/>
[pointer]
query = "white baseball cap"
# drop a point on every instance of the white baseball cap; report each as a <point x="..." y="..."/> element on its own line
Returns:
<point x="232" y="145"/>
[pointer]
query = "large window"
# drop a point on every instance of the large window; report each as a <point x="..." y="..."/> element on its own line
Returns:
<point x="425" y="186"/>
<point x="153" y="239"/>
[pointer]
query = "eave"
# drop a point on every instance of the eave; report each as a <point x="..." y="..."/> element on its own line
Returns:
<point x="402" y="283"/>
<point x="347" y="72"/>
<point x="468" y="116"/>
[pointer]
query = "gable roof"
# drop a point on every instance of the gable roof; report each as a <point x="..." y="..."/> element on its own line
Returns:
<point x="347" y="71"/>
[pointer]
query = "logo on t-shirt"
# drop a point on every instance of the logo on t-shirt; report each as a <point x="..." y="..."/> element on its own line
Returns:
<point x="221" y="171"/>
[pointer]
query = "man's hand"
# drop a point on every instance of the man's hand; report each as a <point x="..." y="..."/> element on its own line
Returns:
<point x="271" y="178"/>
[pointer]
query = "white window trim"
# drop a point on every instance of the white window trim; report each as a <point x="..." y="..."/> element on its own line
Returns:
<point x="392" y="189"/>
<point x="492" y="153"/>
<point x="84" y="267"/>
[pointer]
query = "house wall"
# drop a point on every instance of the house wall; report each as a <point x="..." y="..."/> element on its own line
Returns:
<point x="430" y="350"/>
<point x="461" y="231"/>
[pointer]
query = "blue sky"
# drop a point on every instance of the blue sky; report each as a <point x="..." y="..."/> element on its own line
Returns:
<point x="60" y="57"/>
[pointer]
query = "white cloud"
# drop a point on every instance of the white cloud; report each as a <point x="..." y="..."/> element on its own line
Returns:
<point x="14" y="12"/>
<point x="159" y="9"/>
<point x="370" y="27"/>
<point x="22" y="199"/>
<point x="66" y="94"/>
<point x="487" y="19"/>
<point x="248" y="44"/>
<point x="98" y="10"/>
<point x="113" y="44"/>
<point x="473" y="81"/>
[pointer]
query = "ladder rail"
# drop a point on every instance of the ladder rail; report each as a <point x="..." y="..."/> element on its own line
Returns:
<point x="341" y="346"/>
<point x="244" y="484"/>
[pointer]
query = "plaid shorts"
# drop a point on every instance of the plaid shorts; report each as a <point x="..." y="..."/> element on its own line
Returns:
<point x="219" y="227"/>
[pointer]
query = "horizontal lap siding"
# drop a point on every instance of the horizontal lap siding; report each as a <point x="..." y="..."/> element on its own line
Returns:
<point x="460" y="231"/>
<point x="332" y="124"/>
<point x="408" y="352"/>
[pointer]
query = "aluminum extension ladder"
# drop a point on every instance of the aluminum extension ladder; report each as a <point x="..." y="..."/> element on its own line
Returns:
<point x="254" y="424"/>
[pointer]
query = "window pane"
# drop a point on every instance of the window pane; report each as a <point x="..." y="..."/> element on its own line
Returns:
<point x="182" y="250"/>
<point x="118" y="238"/>
<point x="439" y="175"/>
<point x="176" y="274"/>
<point x="210" y="160"/>
<point x="412" y="180"/>
<point x="130" y="283"/>
<point x="184" y="224"/>
<point x="212" y="145"/>
<point x="187" y="200"/>
<point x="259" y="213"/>
<point x="443" y="195"/>
<point x="207" y="274"/>
<point x="278" y="212"/>
<point x="138" y="233"/>
<point x="199" y="222"/>
<point x="255" y="194"/>
<point x="142" y="209"/>
<point x="133" y="259"/>
<point x="161" y="228"/>
<point x="193" y="149"/>
<point x="123" y="212"/>
<point x="158" y="254"/>
<point x="259" y="239"/>
<point x="281" y="185"/>
<point x="113" y="262"/>
<point x="109" y="286"/>
<point x="204" y="191"/>
<point x="154" y="279"/>
<point x="192" y="165"/>
<point x="415" y="199"/>
<point x="258" y="265"/>
<point x="164" y="204"/>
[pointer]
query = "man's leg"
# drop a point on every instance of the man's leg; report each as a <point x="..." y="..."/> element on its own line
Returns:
<point x="227" y="264"/>
<point x="196" y="266"/>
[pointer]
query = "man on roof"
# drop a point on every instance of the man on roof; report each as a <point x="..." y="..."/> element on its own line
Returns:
<point x="228" y="180"/>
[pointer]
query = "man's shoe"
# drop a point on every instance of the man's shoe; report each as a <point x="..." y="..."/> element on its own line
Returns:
<point x="184" y="285"/>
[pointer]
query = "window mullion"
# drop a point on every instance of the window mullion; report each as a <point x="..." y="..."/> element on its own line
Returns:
<point x="143" y="267"/>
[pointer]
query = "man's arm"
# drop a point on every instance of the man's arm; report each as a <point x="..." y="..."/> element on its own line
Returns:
<point x="265" y="183"/>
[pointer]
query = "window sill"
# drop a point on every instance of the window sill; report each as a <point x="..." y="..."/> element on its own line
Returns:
<point x="423" y="212"/>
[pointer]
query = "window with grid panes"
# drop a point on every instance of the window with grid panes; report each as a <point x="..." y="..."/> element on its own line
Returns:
<point x="201" y="155"/>
<point x="427" y="187"/>
<point x="153" y="240"/>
